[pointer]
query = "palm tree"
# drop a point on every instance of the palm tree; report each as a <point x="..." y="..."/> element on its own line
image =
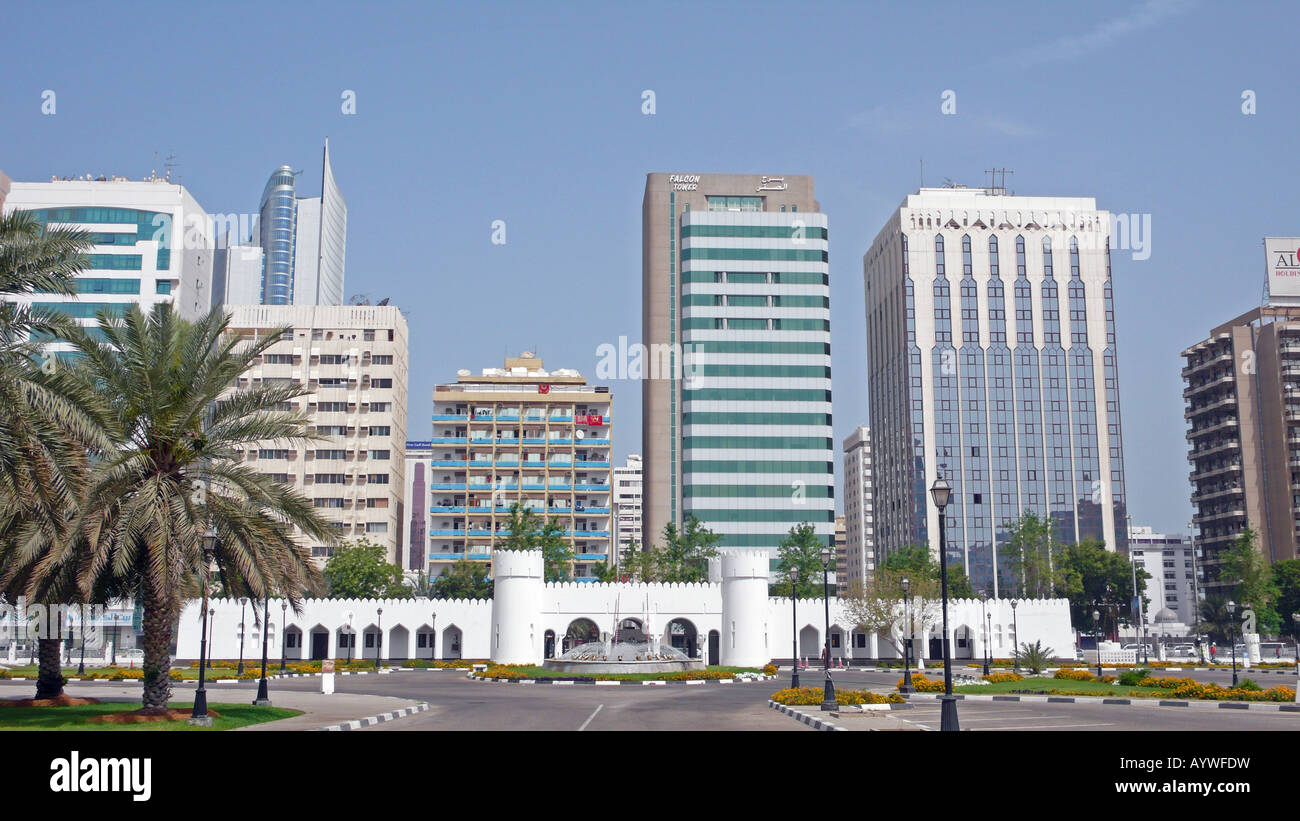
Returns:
<point x="45" y="430"/>
<point x="1213" y="618"/>
<point x="175" y="474"/>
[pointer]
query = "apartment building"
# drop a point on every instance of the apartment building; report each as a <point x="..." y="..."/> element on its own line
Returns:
<point x="860" y="551"/>
<point x="353" y="362"/>
<point x="627" y="506"/>
<point x="521" y="434"/>
<point x="1243" y="412"/>
<point x="842" y="574"/>
<point x="1174" y="587"/>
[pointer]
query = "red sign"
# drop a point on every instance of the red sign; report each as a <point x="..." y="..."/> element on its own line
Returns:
<point x="591" y="420"/>
<point x="543" y="388"/>
<point x="327" y="666"/>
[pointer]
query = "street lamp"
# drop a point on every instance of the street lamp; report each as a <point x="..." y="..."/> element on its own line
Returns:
<point x="1232" y="637"/>
<point x="351" y="638"/>
<point x="984" y="597"/>
<point x="284" y="631"/>
<point x="1015" y="636"/>
<point x="199" y="716"/>
<point x="115" y="618"/>
<point x="81" y="668"/>
<point x="212" y="628"/>
<point x="69" y="659"/>
<point x="794" y="626"/>
<point x="379" y="638"/>
<point x="1096" y="639"/>
<point x="941" y="492"/>
<point x="243" y="602"/>
<point x="263" y="698"/>
<point x="907" y="640"/>
<point x="1295" y="619"/>
<point x="828" y="694"/>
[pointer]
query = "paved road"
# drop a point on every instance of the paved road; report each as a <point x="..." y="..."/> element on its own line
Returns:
<point x="457" y="703"/>
<point x="1031" y="717"/>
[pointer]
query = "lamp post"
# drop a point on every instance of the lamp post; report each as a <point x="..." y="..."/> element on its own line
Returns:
<point x="69" y="659"/>
<point x="1096" y="639"/>
<point x="81" y="668"/>
<point x="199" y="716"/>
<point x="984" y="597"/>
<point x="379" y="638"/>
<point x="263" y="698"/>
<point x="1232" y="637"/>
<point x="1015" y="636"/>
<point x="114" y="661"/>
<point x="1295" y="619"/>
<point x="907" y="640"/>
<point x="284" y="632"/>
<point x="243" y="602"/>
<point x="212" y="627"/>
<point x="828" y="694"/>
<point x="794" y="627"/>
<point x="351" y="638"/>
<point x="941" y="492"/>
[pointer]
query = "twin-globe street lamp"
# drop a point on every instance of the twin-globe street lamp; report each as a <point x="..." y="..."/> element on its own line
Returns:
<point x="988" y="628"/>
<point x="794" y="627"/>
<point x="941" y="492"/>
<point x="1232" y="637"/>
<point x="828" y="693"/>
<point x="263" y="697"/>
<point x="906" y="584"/>
<point x="199" y="716"/>
<point x="1096" y="639"/>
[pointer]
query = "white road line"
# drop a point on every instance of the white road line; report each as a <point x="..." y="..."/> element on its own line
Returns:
<point x="590" y="717"/>
<point x="1039" y="727"/>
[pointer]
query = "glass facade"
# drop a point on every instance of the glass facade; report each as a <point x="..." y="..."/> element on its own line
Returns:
<point x="279" y="221"/>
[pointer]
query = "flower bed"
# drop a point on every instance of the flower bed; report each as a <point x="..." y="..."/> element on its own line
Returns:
<point x="813" y="696"/>
<point x="425" y="664"/>
<point x="998" y="678"/>
<point x="922" y="684"/>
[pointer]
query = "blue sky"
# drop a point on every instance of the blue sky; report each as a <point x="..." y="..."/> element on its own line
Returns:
<point x="531" y="114"/>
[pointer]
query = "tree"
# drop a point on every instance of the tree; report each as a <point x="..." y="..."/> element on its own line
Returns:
<point x="876" y="606"/>
<point x="361" y="571"/>
<point x="465" y="580"/>
<point x="1030" y="553"/>
<point x="178" y="427"/>
<point x="1213" y="618"/>
<point x="641" y="564"/>
<point x="1034" y="656"/>
<point x="686" y="553"/>
<point x="799" y="553"/>
<point x="528" y="532"/>
<point x="46" y="433"/>
<point x="1243" y="563"/>
<point x="604" y="572"/>
<point x="1286" y="575"/>
<point x="917" y="561"/>
<point x="1092" y="577"/>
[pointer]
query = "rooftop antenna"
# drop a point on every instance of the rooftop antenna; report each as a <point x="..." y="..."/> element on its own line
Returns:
<point x="995" y="186"/>
<point x="169" y="164"/>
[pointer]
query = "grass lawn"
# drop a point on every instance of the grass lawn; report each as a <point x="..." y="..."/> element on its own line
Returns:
<point x="541" y="672"/>
<point x="73" y="718"/>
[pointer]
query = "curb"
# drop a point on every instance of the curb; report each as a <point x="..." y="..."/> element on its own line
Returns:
<point x="558" y="682"/>
<point x="815" y="723"/>
<point x="872" y="708"/>
<point x="1272" y="707"/>
<point x="372" y="720"/>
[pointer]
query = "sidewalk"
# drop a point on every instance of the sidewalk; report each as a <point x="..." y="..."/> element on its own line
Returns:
<point x="320" y="711"/>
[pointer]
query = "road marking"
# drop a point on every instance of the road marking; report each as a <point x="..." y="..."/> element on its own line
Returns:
<point x="1039" y="727"/>
<point x="590" y="717"/>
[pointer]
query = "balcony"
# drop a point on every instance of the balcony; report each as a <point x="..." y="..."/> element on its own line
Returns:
<point x="584" y="464"/>
<point x="1192" y="390"/>
<point x="446" y="533"/>
<point x="448" y="440"/>
<point x="592" y="511"/>
<point x="590" y="557"/>
<point x="447" y="509"/>
<point x="451" y="417"/>
<point x="1219" y="427"/>
<point x="448" y="463"/>
<point x="596" y="488"/>
<point x="448" y="486"/>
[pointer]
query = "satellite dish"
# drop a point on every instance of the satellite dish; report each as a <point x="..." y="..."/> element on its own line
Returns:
<point x="578" y="434"/>
<point x="384" y="301"/>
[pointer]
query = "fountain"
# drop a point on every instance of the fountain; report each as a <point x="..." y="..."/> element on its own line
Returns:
<point x="628" y="649"/>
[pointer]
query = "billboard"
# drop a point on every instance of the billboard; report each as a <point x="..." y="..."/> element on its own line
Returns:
<point x="1283" y="268"/>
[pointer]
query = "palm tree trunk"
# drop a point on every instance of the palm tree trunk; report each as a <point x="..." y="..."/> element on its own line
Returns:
<point x="49" y="677"/>
<point x="157" y="624"/>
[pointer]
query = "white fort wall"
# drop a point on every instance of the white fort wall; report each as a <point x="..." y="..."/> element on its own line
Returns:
<point x="730" y="619"/>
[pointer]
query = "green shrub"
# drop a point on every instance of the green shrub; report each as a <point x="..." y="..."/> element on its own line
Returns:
<point x="1133" y="678"/>
<point x="1249" y="684"/>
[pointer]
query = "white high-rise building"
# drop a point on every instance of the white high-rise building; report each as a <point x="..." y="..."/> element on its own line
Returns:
<point x="627" y="505"/>
<point x="860" y="549"/>
<point x="992" y="360"/>
<point x="153" y="243"/>
<point x="353" y="360"/>
<point x="1173" y="587"/>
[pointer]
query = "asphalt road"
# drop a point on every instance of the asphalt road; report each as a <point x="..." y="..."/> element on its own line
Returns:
<point x="457" y="703"/>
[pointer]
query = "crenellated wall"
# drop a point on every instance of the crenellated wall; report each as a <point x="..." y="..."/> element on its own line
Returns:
<point x="731" y="620"/>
